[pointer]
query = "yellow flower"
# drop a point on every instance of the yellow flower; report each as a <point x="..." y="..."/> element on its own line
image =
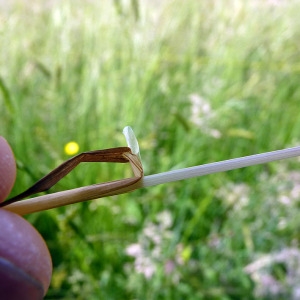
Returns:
<point x="186" y="253"/>
<point x="71" y="148"/>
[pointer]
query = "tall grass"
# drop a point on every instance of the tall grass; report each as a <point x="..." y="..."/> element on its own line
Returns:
<point x="198" y="81"/>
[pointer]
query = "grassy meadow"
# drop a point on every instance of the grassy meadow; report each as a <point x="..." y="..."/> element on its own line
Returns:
<point x="198" y="81"/>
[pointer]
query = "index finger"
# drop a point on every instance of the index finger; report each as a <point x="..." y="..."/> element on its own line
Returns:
<point x="7" y="169"/>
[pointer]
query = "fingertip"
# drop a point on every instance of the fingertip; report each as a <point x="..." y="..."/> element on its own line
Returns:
<point x="25" y="255"/>
<point x="7" y="169"/>
<point x="15" y="284"/>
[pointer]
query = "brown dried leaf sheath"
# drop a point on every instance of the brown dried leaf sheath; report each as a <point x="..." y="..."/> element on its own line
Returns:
<point x="120" y="155"/>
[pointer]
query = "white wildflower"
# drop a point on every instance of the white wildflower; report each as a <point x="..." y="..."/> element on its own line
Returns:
<point x="202" y="114"/>
<point x="266" y="283"/>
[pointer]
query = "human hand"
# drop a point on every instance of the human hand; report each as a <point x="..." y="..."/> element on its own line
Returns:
<point x="25" y="262"/>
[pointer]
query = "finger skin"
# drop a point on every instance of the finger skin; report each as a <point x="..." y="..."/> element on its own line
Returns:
<point x="23" y="247"/>
<point x="16" y="284"/>
<point x="25" y="262"/>
<point x="7" y="169"/>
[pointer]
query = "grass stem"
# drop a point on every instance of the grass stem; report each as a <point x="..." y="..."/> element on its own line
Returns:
<point x="222" y="166"/>
<point x="129" y="184"/>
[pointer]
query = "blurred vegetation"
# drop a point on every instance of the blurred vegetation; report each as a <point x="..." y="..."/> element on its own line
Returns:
<point x="198" y="81"/>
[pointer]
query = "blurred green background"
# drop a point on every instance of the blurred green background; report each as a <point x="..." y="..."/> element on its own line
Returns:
<point x="198" y="81"/>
